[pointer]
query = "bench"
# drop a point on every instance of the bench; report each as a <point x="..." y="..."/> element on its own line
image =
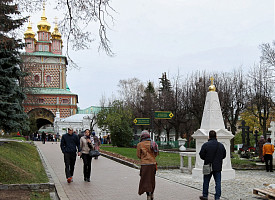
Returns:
<point x="267" y="192"/>
<point x="189" y="155"/>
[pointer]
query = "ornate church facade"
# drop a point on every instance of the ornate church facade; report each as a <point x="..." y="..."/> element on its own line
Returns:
<point x="48" y="94"/>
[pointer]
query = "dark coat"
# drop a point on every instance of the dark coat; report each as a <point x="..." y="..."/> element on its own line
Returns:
<point x="207" y="153"/>
<point x="69" y="143"/>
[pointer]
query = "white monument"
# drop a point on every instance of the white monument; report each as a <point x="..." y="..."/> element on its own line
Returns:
<point x="272" y="130"/>
<point x="212" y="120"/>
<point x="272" y="135"/>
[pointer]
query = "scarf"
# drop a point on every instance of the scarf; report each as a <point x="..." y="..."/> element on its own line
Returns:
<point x="145" y="136"/>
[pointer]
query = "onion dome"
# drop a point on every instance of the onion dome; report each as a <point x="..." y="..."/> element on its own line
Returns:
<point x="29" y="32"/>
<point x="56" y="35"/>
<point x="43" y="25"/>
<point x="212" y="87"/>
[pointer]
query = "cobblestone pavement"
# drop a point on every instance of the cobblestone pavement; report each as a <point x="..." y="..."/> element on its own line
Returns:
<point x="109" y="181"/>
<point x="238" y="189"/>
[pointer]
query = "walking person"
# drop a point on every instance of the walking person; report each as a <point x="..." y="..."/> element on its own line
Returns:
<point x="97" y="142"/>
<point x="212" y="152"/>
<point x="86" y="144"/>
<point x="147" y="150"/>
<point x="43" y="137"/>
<point x="268" y="150"/>
<point x="69" y="145"/>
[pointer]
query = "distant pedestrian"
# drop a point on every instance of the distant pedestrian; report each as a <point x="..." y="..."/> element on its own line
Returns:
<point x="69" y="145"/>
<point x="147" y="150"/>
<point x="43" y="137"/>
<point x="97" y="142"/>
<point x="212" y="152"/>
<point x="86" y="144"/>
<point x="268" y="150"/>
<point x="261" y="143"/>
<point x="108" y="139"/>
<point x="57" y="137"/>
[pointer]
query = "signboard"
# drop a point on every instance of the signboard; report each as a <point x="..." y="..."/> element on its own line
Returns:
<point x="163" y="115"/>
<point x="142" y="121"/>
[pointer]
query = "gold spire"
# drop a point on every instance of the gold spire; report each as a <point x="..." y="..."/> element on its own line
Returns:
<point x="43" y="25"/>
<point x="56" y="34"/>
<point x="212" y="88"/>
<point x="29" y="32"/>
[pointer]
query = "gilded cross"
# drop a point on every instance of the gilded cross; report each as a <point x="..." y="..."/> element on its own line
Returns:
<point x="212" y="80"/>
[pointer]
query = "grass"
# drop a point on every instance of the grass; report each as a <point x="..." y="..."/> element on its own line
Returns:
<point x="166" y="159"/>
<point x="20" y="163"/>
<point x="14" y="138"/>
<point x="163" y="159"/>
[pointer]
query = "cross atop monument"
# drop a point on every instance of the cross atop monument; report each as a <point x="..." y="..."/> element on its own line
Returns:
<point x="272" y="129"/>
<point x="212" y="80"/>
<point x="212" y="88"/>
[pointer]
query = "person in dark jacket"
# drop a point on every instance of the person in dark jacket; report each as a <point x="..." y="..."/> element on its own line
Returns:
<point x="69" y="145"/>
<point x="212" y="152"/>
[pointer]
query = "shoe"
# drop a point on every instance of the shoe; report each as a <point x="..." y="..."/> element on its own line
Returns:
<point x="69" y="179"/>
<point x="152" y="196"/>
<point x="88" y="180"/>
<point x="85" y="179"/>
<point x="203" y="198"/>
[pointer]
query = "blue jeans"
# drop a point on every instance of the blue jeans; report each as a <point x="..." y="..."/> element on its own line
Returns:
<point x="206" y="180"/>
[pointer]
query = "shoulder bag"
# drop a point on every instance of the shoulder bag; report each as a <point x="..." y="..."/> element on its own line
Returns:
<point x="207" y="169"/>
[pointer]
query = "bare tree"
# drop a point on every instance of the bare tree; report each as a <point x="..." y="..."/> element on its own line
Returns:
<point x="260" y="95"/>
<point x="232" y="93"/>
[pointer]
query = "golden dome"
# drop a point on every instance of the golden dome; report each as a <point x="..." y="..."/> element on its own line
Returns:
<point x="43" y="25"/>
<point x="56" y="34"/>
<point x="212" y="87"/>
<point x="29" y="32"/>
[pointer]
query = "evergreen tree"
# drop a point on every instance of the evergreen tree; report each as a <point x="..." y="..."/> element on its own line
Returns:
<point x="12" y="114"/>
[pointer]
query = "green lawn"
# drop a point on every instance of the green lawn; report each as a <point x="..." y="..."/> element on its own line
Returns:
<point x="171" y="159"/>
<point x="163" y="159"/>
<point x="20" y="163"/>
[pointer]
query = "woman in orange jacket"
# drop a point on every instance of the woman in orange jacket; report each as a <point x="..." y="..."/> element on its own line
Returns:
<point x="268" y="150"/>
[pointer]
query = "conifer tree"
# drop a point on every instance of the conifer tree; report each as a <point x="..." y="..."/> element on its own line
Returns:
<point x="12" y="114"/>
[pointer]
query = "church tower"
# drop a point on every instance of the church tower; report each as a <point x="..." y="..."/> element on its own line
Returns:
<point x="48" y="94"/>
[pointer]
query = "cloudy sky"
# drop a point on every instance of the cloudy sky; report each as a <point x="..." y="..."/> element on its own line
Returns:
<point x="150" y="37"/>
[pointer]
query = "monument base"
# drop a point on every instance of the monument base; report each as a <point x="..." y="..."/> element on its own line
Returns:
<point x="227" y="174"/>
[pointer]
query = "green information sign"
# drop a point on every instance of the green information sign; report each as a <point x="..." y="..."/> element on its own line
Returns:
<point x="163" y="115"/>
<point x="142" y="121"/>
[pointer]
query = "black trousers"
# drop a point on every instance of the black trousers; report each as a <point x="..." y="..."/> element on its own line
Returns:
<point x="69" y="159"/>
<point x="87" y="161"/>
<point x="268" y="158"/>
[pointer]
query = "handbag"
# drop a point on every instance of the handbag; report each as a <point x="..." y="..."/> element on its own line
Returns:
<point x="94" y="153"/>
<point x="207" y="169"/>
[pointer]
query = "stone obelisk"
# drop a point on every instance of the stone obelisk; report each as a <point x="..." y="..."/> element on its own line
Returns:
<point x="212" y="120"/>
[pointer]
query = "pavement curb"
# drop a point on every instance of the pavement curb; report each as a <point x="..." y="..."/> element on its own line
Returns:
<point x="59" y="193"/>
<point x="124" y="162"/>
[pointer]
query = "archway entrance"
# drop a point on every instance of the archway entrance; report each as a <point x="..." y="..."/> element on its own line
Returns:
<point x="41" y="117"/>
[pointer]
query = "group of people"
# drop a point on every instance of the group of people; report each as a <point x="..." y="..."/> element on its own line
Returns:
<point x="211" y="152"/>
<point x="71" y="146"/>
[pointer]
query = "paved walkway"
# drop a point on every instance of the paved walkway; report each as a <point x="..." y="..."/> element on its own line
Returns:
<point x="109" y="180"/>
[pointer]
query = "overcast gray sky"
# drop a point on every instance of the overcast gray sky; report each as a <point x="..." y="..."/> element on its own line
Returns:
<point x="150" y="37"/>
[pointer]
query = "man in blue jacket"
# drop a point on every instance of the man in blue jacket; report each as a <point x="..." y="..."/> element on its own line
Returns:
<point x="212" y="152"/>
<point x="69" y="145"/>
